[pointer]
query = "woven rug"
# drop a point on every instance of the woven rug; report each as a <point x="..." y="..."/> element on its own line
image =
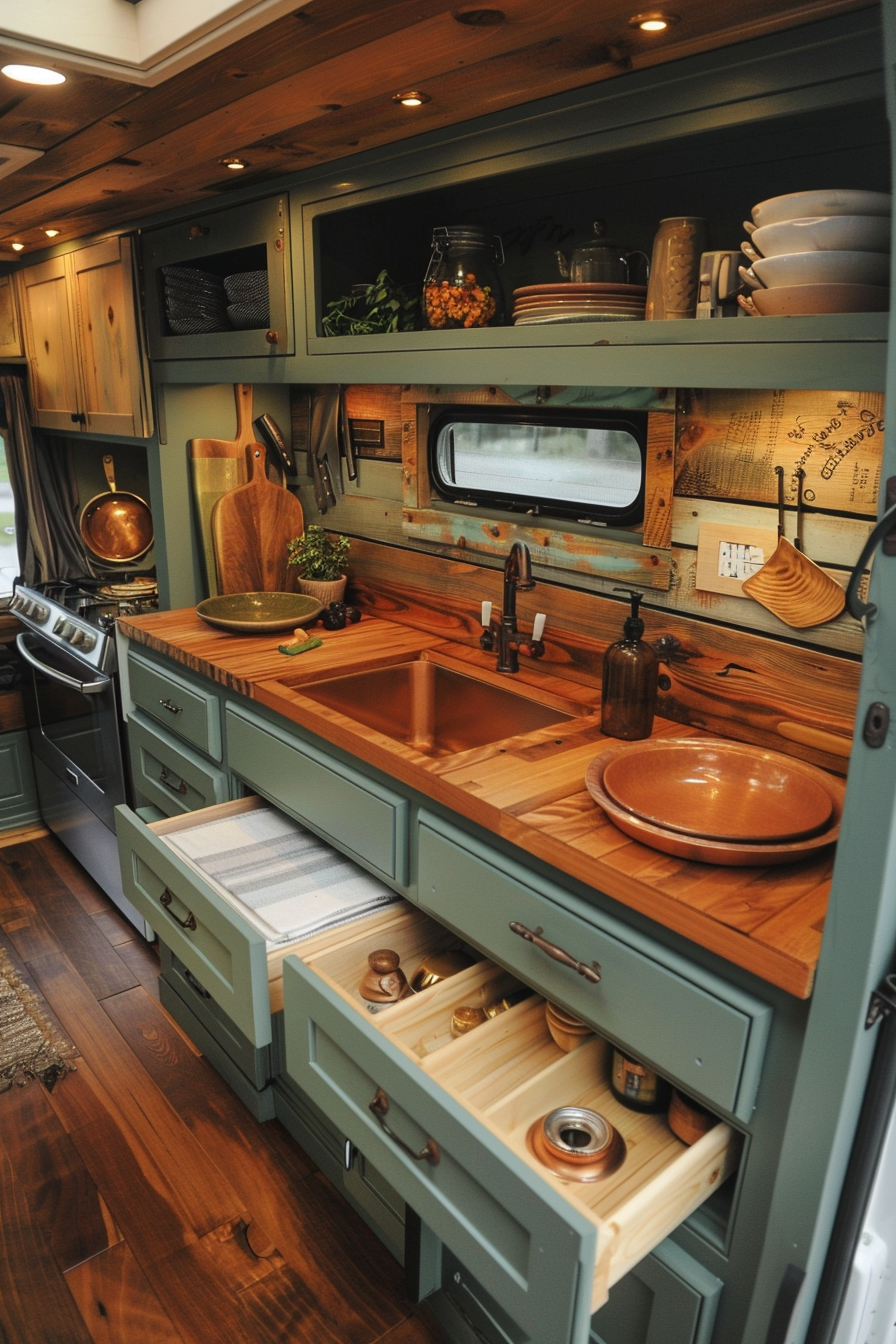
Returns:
<point x="30" y="1045"/>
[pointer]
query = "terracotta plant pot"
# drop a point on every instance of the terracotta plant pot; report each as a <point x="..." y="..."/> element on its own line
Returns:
<point x="325" y="590"/>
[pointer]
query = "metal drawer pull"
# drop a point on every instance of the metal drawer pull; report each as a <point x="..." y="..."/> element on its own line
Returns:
<point x="189" y="923"/>
<point x="591" y="972"/>
<point x="428" y="1153"/>
<point x="171" y="706"/>
<point x="168" y="780"/>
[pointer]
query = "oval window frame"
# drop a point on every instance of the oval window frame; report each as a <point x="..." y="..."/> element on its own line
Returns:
<point x="515" y="502"/>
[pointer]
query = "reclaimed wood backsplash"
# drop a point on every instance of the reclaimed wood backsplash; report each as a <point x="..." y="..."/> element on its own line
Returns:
<point x="732" y="665"/>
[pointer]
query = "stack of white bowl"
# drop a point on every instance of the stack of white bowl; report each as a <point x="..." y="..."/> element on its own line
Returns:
<point x="820" y="252"/>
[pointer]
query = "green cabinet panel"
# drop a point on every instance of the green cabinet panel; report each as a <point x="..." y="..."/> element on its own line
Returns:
<point x="243" y="240"/>
<point x="18" y="795"/>
<point x="226" y="955"/>
<point x="168" y="775"/>
<point x="188" y="708"/>
<point x="365" y="819"/>
<point x="696" y="1028"/>
<point x="533" y="1252"/>
<point x="668" y="1299"/>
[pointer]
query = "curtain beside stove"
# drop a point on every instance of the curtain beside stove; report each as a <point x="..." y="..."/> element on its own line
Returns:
<point x="45" y="495"/>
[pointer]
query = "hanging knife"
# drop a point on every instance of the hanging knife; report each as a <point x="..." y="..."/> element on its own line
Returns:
<point x="271" y="435"/>
<point x="345" y="438"/>
<point x="318" y="407"/>
<point x="324" y="434"/>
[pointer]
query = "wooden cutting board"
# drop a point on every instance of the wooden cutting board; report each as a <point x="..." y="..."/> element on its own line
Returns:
<point x="219" y="465"/>
<point x="250" y="528"/>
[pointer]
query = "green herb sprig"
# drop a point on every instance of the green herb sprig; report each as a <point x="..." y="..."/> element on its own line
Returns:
<point x="369" y="309"/>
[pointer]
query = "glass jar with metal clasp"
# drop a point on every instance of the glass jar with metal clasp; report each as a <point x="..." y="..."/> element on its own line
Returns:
<point x="461" y="287"/>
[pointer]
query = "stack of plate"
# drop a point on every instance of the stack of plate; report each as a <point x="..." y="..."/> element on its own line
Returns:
<point x="569" y="302"/>
<point x="820" y="252"/>
<point x="717" y="801"/>
<point x="194" y="300"/>
<point x="247" y="294"/>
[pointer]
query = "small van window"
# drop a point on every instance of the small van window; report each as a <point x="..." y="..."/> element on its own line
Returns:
<point x="562" y="463"/>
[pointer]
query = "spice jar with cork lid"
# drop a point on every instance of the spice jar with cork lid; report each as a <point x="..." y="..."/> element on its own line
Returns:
<point x="461" y="287"/>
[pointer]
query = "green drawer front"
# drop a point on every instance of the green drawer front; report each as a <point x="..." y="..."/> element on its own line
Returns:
<point x="255" y="1063"/>
<point x="187" y="710"/>
<point x="227" y="956"/>
<point x="169" y="775"/>
<point x="708" y="1036"/>
<point x="533" y="1253"/>
<point x="366" y="820"/>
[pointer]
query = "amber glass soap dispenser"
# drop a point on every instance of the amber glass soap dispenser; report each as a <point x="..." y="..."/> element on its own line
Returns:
<point x="628" y="697"/>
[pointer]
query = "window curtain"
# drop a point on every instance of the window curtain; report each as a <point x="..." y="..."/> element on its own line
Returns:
<point x="45" y="495"/>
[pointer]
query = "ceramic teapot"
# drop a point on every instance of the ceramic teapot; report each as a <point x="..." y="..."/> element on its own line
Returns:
<point x="599" y="260"/>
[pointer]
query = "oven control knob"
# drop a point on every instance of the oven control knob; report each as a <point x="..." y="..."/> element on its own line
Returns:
<point x="60" y="625"/>
<point x="88" y="641"/>
<point x="40" y="612"/>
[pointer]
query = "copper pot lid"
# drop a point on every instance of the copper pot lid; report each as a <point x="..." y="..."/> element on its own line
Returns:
<point x="577" y="1144"/>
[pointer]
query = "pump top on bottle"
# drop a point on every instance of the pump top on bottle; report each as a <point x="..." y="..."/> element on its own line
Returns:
<point x="631" y="668"/>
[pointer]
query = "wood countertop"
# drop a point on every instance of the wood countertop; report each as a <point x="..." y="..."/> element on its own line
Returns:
<point x="528" y="790"/>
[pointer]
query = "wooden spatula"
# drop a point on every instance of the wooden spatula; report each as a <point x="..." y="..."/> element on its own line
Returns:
<point x="250" y="528"/>
<point x="789" y="584"/>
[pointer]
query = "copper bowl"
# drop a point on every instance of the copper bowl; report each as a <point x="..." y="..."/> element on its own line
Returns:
<point x="720" y="790"/>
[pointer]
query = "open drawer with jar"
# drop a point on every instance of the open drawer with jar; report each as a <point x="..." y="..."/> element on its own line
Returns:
<point x="493" y="1116"/>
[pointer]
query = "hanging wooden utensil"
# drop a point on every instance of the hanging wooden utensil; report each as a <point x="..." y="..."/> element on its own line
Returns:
<point x="789" y="584"/>
<point x="250" y="527"/>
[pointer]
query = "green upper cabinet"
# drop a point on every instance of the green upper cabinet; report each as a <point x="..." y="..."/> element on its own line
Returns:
<point x="709" y="136"/>
<point x="219" y="284"/>
<point x="704" y="137"/>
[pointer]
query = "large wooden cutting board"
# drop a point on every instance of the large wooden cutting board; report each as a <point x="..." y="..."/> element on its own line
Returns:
<point x="219" y="465"/>
<point x="250" y="528"/>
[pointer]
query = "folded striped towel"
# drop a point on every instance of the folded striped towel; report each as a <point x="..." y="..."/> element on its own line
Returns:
<point x="288" y="882"/>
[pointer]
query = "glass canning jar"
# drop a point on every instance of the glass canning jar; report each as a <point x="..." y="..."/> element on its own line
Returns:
<point x="461" y="287"/>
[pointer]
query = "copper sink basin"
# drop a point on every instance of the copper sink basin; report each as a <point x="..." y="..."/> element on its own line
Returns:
<point x="436" y="708"/>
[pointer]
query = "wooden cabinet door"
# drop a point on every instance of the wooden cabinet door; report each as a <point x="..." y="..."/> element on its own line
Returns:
<point x="11" y="346"/>
<point x="85" y="351"/>
<point x="50" y="345"/>
<point x="114" y="391"/>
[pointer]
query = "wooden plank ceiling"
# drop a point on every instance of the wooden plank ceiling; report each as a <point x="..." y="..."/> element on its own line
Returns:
<point x="319" y="85"/>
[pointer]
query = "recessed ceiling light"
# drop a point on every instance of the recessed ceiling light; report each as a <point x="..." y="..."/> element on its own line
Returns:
<point x="235" y="164"/>
<point x="33" y="74"/>
<point x="17" y="247"/>
<point x="653" y="21"/>
<point x="412" y="98"/>
<point x="51" y="233"/>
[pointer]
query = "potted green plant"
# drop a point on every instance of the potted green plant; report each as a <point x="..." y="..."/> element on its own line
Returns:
<point x="320" y="559"/>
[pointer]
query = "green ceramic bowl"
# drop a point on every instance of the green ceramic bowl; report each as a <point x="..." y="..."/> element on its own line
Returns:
<point x="259" y="613"/>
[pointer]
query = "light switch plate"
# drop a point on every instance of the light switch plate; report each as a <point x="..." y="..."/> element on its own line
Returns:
<point x="729" y="553"/>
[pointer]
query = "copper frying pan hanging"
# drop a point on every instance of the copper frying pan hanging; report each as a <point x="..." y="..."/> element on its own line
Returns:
<point x="116" y="526"/>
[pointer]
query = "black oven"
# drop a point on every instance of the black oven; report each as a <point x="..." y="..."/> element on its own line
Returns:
<point x="75" y="730"/>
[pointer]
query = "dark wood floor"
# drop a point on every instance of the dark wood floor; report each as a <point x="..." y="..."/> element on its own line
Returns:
<point x="140" y="1203"/>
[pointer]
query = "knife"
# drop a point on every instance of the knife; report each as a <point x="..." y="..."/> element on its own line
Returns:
<point x="324" y="433"/>
<point x="271" y="435"/>
<point x="345" y="438"/>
